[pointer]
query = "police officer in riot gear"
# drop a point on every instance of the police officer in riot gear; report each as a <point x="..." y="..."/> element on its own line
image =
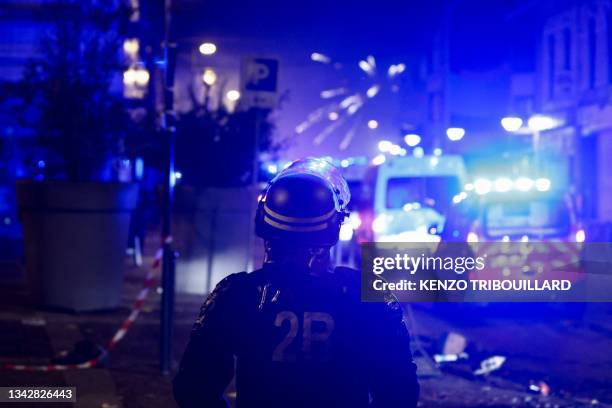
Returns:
<point x="299" y="333"/>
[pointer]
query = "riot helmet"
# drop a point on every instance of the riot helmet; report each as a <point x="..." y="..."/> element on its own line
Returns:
<point x="304" y="205"/>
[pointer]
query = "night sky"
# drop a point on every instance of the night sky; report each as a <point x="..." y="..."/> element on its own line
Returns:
<point x="487" y="41"/>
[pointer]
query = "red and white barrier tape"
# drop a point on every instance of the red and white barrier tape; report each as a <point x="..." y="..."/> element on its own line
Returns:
<point x="119" y="334"/>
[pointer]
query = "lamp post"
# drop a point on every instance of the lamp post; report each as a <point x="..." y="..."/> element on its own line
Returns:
<point x="412" y="139"/>
<point x="209" y="78"/>
<point x="207" y="48"/>
<point x="535" y="125"/>
<point x="135" y="81"/>
<point x="168" y="255"/>
<point x="511" y="123"/>
<point x="455" y="134"/>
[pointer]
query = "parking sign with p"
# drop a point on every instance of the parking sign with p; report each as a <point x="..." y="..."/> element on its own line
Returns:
<point x="259" y="82"/>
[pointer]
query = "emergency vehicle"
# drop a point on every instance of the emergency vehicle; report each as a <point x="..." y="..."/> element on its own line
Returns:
<point x="405" y="199"/>
<point x="523" y="209"/>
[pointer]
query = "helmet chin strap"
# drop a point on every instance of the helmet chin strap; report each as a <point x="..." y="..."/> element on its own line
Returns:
<point x="315" y="259"/>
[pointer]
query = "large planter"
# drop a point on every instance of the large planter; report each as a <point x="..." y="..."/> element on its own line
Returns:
<point x="215" y="237"/>
<point x="75" y="237"/>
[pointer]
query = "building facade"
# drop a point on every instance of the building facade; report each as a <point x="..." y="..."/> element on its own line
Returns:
<point x="575" y="86"/>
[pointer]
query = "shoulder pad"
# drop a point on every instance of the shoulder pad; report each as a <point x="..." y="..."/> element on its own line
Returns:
<point x="233" y="278"/>
<point x="228" y="284"/>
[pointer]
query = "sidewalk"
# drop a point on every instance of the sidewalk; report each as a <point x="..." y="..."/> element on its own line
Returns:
<point x="131" y="377"/>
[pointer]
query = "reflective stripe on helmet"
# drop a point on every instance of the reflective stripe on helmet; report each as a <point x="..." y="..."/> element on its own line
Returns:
<point x="324" y="170"/>
<point x="299" y="220"/>
<point x="296" y="228"/>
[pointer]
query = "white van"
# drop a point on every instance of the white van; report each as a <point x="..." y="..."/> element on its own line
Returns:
<point x="412" y="196"/>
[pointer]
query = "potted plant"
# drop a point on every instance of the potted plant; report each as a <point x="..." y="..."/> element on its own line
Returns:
<point x="75" y="221"/>
<point x="215" y="199"/>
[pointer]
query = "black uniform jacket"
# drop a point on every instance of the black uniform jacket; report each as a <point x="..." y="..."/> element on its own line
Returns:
<point x="297" y="340"/>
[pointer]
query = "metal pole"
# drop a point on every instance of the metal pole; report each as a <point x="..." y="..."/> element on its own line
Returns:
<point x="254" y="179"/>
<point x="536" y="151"/>
<point x="168" y="266"/>
<point x="258" y="119"/>
<point x="211" y="250"/>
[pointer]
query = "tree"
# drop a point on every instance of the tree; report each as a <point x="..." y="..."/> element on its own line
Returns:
<point x="215" y="147"/>
<point x="70" y="94"/>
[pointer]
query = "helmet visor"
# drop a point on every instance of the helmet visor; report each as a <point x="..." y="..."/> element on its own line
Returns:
<point x="326" y="171"/>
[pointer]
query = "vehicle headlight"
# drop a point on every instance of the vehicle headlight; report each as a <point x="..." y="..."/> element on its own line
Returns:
<point x="379" y="225"/>
<point x="354" y="220"/>
<point x="472" y="237"/>
<point x="346" y="232"/>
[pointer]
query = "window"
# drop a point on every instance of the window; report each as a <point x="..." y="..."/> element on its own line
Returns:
<point x="567" y="49"/>
<point x="548" y="217"/>
<point x="592" y="52"/>
<point x="551" y="65"/>
<point x="433" y="191"/>
<point x="609" y="27"/>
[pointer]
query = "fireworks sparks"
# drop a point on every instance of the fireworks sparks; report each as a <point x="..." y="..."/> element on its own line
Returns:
<point x="348" y="137"/>
<point x="395" y="69"/>
<point x="368" y="65"/>
<point x="331" y="93"/>
<point x="372" y="91"/>
<point x="338" y="114"/>
<point x="318" y="57"/>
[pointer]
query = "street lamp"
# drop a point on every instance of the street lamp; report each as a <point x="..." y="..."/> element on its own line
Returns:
<point x="384" y="146"/>
<point x="135" y="81"/>
<point x="511" y="123"/>
<point x="131" y="46"/>
<point x="137" y="76"/>
<point x="412" y="139"/>
<point x="129" y="77"/>
<point x="209" y="77"/>
<point x="372" y="124"/>
<point x="455" y="134"/>
<point x="142" y="77"/>
<point x="233" y="95"/>
<point x="538" y="123"/>
<point x="207" y="48"/>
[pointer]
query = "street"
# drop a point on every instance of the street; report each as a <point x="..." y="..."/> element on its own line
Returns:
<point x="539" y="342"/>
<point x="308" y="194"/>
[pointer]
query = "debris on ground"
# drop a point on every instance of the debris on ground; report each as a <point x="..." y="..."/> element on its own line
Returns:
<point x="33" y="321"/>
<point x="540" y="388"/>
<point x="490" y="364"/>
<point x="449" y="358"/>
<point x="82" y="351"/>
